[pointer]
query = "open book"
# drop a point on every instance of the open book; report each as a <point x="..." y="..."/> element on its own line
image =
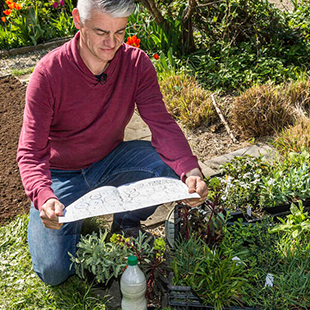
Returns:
<point x="128" y="197"/>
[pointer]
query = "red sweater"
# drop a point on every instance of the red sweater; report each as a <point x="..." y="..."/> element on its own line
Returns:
<point x="72" y="121"/>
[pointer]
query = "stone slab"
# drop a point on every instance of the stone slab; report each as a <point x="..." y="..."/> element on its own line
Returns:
<point x="253" y="150"/>
<point x="159" y="216"/>
<point x="206" y="170"/>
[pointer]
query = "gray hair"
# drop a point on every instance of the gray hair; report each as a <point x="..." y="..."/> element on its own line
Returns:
<point x="115" y="8"/>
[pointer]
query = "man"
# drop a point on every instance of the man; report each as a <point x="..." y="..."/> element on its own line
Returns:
<point x="79" y="100"/>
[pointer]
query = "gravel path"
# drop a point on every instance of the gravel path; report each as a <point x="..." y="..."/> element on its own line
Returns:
<point x="19" y="62"/>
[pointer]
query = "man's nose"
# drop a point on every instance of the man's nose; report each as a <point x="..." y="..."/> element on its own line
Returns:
<point x="110" y="41"/>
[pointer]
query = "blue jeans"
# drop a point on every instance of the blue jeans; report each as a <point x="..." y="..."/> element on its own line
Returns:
<point x="128" y="162"/>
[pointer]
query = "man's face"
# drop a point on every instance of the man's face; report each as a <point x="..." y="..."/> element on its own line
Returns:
<point x="101" y="36"/>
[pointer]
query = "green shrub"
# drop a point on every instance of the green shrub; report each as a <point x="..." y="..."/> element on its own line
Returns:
<point x="246" y="42"/>
<point x="253" y="182"/>
<point x="261" y="253"/>
<point x="217" y="279"/>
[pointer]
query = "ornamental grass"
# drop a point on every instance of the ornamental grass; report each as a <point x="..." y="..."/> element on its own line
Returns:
<point x="262" y="111"/>
<point x="294" y="138"/>
<point x="187" y="101"/>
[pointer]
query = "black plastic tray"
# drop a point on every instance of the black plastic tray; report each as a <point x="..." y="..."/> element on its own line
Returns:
<point x="182" y="297"/>
<point x="285" y="208"/>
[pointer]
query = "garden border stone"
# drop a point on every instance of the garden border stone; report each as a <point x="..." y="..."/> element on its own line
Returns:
<point x="26" y="49"/>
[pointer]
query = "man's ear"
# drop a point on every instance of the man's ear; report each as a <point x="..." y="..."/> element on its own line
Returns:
<point x="76" y="18"/>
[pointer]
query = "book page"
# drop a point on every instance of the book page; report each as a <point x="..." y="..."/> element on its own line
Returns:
<point x="109" y="200"/>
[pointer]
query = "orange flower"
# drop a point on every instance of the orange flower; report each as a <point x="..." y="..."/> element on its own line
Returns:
<point x="156" y="56"/>
<point x="7" y="12"/>
<point x="133" y="41"/>
<point x="8" y="2"/>
<point x="11" y="5"/>
<point x="3" y="19"/>
<point x="17" y="6"/>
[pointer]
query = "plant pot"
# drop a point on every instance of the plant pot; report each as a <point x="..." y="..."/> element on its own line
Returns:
<point x="172" y="226"/>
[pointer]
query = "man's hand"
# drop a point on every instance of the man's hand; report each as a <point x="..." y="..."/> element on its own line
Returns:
<point x="196" y="184"/>
<point x="49" y="213"/>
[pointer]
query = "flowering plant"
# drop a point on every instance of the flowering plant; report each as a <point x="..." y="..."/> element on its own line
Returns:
<point x="33" y="22"/>
<point x="12" y="7"/>
<point x="133" y="41"/>
<point x="56" y="4"/>
<point x="107" y="259"/>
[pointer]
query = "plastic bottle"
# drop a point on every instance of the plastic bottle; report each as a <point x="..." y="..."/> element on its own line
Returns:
<point x="133" y="286"/>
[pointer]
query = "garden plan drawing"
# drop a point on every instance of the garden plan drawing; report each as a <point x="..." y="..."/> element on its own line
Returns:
<point x="108" y="199"/>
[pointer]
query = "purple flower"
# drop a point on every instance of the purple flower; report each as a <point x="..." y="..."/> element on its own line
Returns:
<point x="61" y="2"/>
<point x="55" y="5"/>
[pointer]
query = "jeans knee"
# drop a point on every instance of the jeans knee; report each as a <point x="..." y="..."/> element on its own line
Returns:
<point x="54" y="275"/>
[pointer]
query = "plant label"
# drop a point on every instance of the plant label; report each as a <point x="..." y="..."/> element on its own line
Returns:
<point x="269" y="280"/>
<point x="249" y="211"/>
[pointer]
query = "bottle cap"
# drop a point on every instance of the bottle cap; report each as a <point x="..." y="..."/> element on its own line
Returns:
<point x="132" y="260"/>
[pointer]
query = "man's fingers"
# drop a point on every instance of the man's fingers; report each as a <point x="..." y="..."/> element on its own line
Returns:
<point x="59" y="209"/>
<point x="50" y="212"/>
<point x="191" y="183"/>
<point x="202" y="188"/>
<point x="196" y="185"/>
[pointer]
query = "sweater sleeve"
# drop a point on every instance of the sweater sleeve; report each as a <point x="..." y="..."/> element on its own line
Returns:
<point x="167" y="137"/>
<point x="33" y="149"/>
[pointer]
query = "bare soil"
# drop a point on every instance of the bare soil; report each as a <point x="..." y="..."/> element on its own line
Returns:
<point x="13" y="200"/>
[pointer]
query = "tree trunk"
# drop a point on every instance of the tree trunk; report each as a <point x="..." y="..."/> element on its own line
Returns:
<point x="187" y="34"/>
<point x="154" y="11"/>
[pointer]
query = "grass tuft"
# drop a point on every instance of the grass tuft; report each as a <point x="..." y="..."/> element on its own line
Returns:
<point x="298" y="94"/>
<point x="19" y="72"/>
<point x="187" y="101"/>
<point x="261" y="111"/>
<point x="294" y="138"/>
